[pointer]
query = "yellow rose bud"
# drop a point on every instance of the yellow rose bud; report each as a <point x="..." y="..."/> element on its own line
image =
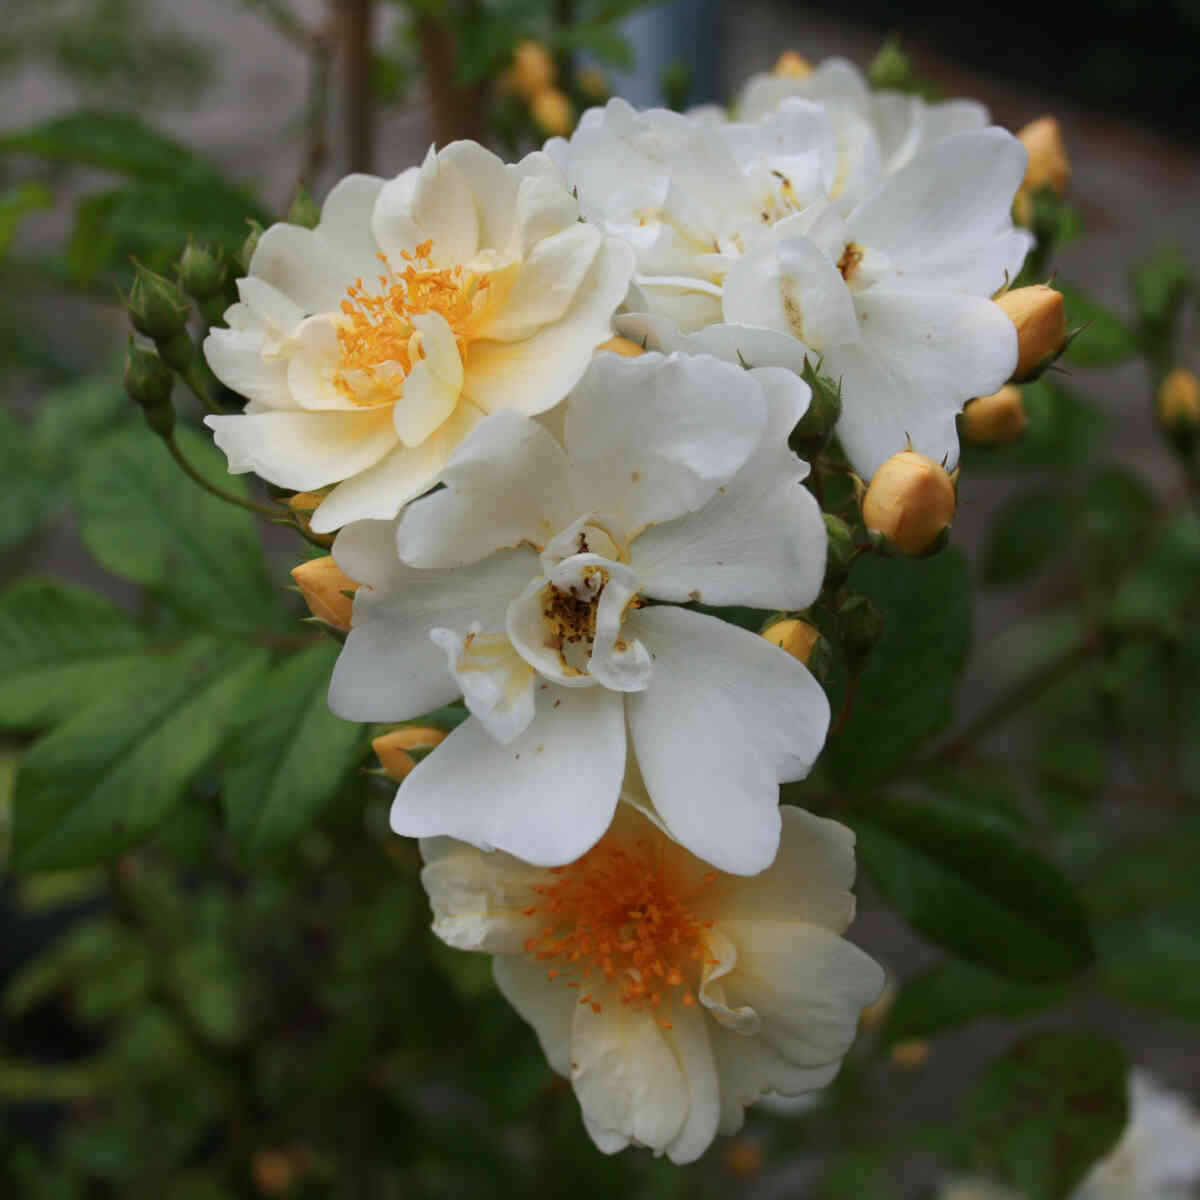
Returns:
<point x="1041" y="322"/>
<point x="593" y="83"/>
<point x="792" y="66"/>
<point x="744" y="1156"/>
<point x="1049" y="165"/>
<point x="415" y="737"/>
<point x="1179" y="401"/>
<point x="324" y="585"/>
<point x="532" y="68"/>
<point x="393" y="754"/>
<point x="625" y="347"/>
<point x="793" y="635"/>
<point x="552" y="112"/>
<point x="909" y="1055"/>
<point x="911" y="501"/>
<point x="997" y="419"/>
<point x="305" y="502"/>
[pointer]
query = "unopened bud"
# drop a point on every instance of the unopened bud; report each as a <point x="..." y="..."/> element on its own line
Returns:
<point x="1178" y="404"/>
<point x="148" y="382"/>
<point x="593" y="83"/>
<point x="791" y="65"/>
<point x="744" y="1156"/>
<point x="303" y="209"/>
<point x="890" y="68"/>
<point x="813" y="430"/>
<point x="911" y="501"/>
<point x="305" y="502"/>
<point x="797" y="637"/>
<point x="910" y="1055"/>
<point x="997" y="419"/>
<point x="393" y="755"/>
<point x="246" y="253"/>
<point x="417" y="737"/>
<point x="201" y="272"/>
<point x="1049" y="165"/>
<point x="552" y="112"/>
<point x="532" y="69"/>
<point x="625" y="347"/>
<point x="840" y="550"/>
<point x="157" y="307"/>
<point x="861" y="626"/>
<point x="327" y="590"/>
<point x="1041" y="322"/>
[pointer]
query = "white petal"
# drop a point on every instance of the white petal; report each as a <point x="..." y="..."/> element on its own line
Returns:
<point x="536" y="373"/>
<point x="691" y="304"/>
<point x="922" y="357"/>
<point x="726" y="718"/>
<point x="444" y="209"/>
<point x="945" y="220"/>
<point x="478" y="899"/>
<point x="237" y="359"/>
<point x="746" y="345"/>
<point x="544" y="202"/>
<point x="389" y="669"/>
<point x="761" y="540"/>
<point x="493" y="189"/>
<point x="505" y="484"/>
<point x="380" y="492"/>
<point x="546" y="285"/>
<point x="303" y="450"/>
<point x="789" y="285"/>
<point x="304" y="267"/>
<point x="690" y="1040"/>
<point x="549" y="1008"/>
<point x="346" y="219"/>
<point x="392" y="221"/>
<point x="432" y="387"/>
<point x="546" y="797"/>
<point x="269" y="305"/>
<point x="807" y="985"/>
<point x="651" y="438"/>
<point x="497" y="684"/>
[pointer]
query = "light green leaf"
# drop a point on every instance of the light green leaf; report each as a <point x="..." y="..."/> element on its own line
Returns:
<point x="974" y="887"/>
<point x="290" y="755"/>
<point x="905" y="693"/>
<point x="16" y="203"/>
<point x="60" y="650"/>
<point x="1041" y="1115"/>
<point x="1025" y="535"/>
<point x="144" y="519"/>
<point x="1105" y="341"/>
<point x="103" y="780"/>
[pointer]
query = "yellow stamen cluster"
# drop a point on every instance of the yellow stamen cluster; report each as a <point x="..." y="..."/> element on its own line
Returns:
<point x="622" y="915"/>
<point x="378" y="331"/>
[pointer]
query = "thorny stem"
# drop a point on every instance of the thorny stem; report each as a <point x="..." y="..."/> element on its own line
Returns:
<point x="196" y="477"/>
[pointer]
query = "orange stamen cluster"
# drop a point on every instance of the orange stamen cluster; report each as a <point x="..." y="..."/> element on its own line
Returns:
<point x="378" y="328"/>
<point x="622" y="915"/>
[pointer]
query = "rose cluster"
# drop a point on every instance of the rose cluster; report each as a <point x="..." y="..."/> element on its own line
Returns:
<point x="546" y="407"/>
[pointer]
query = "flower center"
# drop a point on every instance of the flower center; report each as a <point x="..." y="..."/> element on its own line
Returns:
<point x="379" y="343"/>
<point x="622" y="915"/>
<point x="569" y="617"/>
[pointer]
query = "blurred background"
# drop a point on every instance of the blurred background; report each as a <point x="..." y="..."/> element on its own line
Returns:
<point x="193" y="1021"/>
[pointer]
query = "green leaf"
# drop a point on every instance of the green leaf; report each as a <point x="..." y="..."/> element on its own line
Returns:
<point x="954" y="993"/>
<point x="1163" y="587"/>
<point x="1116" y="515"/>
<point x="1045" y="1112"/>
<point x="60" y="649"/>
<point x="28" y="491"/>
<point x="973" y="887"/>
<point x="142" y="518"/>
<point x="16" y="203"/>
<point x="1105" y="341"/>
<point x="103" y="780"/>
<point x="1025" y="535"/>
<point x="905" y="694"/>
<point x="1160" y="285"/>
<point x="290" y="755"/>
<point x="1063" y="431"/>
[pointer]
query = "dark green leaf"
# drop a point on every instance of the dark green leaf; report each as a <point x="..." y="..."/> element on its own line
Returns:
<point x="29" y="492"/>
<point x="60" y="649"/>
<point x="905" y="693"/>
<point x="144" y="519"/>
<point x="1041" y="1115"/>
<point x="105" y="778"/>
<point x="1116" y="514"/>
<point x="1025" y="535"/>
<point x="1166" y="584"/>
<point x="290" y="755"/>
<point x="1106" y="340"/>
<point x="975" y="888"/>
<point x="954" y="993"/>
<point x="1160" y="285"/>
<point x="16" y="203"/>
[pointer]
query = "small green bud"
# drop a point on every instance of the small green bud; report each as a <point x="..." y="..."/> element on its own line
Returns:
<point x="860" y="624"/>
<point x="250" y="244"/>
<point x="841" y="550"/>
<point x="148" y="382"/>
<point x="675" y="81"/>
<point x="177" y="351"/>
<point x="890" y="68"/>
<point x="813" y="430"/>
<point x="303" y="210"/>
<point x="157" y="307"/>
<point x="201" y="272"/>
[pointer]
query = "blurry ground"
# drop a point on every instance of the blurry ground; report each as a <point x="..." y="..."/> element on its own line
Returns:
<point x="1136" y="189"/>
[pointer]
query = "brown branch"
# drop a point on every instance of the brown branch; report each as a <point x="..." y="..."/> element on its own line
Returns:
<point x="354" y="37"/>
<point x="457" y="111"/>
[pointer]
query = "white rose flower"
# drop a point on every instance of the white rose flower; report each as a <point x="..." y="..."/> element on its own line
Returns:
<point x="671" y="995"/>
<point x="369" y="347"/>
<point x="675" y="484"/>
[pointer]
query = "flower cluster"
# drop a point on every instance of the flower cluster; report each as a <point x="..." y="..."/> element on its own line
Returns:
<point x="551" y="531"/>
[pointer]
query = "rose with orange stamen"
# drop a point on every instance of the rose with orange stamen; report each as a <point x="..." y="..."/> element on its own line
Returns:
<point x="671" y="995"/>
<point x="369" y="347"/>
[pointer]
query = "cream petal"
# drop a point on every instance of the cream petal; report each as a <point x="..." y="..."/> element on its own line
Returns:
<point x="392" y="221"/>
<point x="304" y="267"/>
<point x="549" y="1008"/>
<point x="544" y="202"/>
<point x="346" y="219"/>
<point x="493" y="187"/>
<point x="444" y="209"/>
<point x="238" y="360"/>
<point x="497" y="684"/>
<point x="427" y="402"/>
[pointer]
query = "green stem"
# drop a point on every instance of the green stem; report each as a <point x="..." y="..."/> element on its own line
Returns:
<point x="196" y="477"/>
<point x="198" y="385"/>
